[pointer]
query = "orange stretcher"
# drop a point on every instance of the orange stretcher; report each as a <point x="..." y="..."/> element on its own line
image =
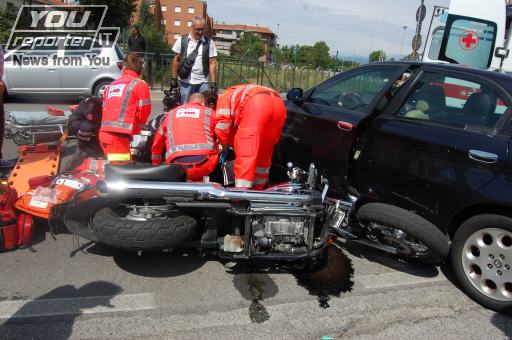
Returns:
<point x="34" y="160"/>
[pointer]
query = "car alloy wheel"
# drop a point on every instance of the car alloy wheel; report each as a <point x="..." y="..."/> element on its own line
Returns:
<point x="487" y="262"/>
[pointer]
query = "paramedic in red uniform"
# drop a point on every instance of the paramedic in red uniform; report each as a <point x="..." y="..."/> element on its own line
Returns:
<point x="187" y="133"/>
<point x="250" y="117"/>
<point x="126" y="108"/>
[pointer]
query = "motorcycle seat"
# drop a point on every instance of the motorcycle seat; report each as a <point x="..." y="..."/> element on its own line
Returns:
<point x="146" y="172"/>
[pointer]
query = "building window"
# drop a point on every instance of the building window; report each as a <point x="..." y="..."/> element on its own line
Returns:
<point x="163" y="22"/>
<point x="164" y="8"/>
<point x="176" y="36"/>
<point x="189" y="23"/>
<point x="191" y="10"/>
<point x="177" y="9"/>
<point x="177" y="23"/>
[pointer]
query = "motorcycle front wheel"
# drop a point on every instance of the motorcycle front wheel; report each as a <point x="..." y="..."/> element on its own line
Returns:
<point x="413" y="237"/>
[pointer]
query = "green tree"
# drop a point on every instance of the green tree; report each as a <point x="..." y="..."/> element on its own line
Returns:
<point x="249" y="46"/>
<point x="7" y="18"/>
<point x="377" y="56"/>
<point x="321" y="57"/>
<point x="119" y="13"/>
<point x="156" y="41"/>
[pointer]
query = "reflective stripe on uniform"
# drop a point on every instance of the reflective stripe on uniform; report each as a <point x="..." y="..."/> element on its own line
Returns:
<point x="207" y="131"/>
<point x="262" y="171"/>
<point x="118" y="124"/>
<point x="118" y="157"/>
<point x="170" y="140"/>
<point x="246" y="91"/>
<point x="260" y="181"/>
<point x="190" y="147"/>
<point x="144" y="102"/>
<point x="156" y="157"/>
<point x="161" y="131"/>
<point x="223" y="126"/>
<point x="126" y="99"/>
<point x="224" y="112"/>
<point x="233" y="98"/>
<point x="242" y="183"/>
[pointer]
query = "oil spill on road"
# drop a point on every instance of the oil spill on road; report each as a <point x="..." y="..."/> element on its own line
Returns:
<point x="256" y="288"/>
<point x="333" y="279"/>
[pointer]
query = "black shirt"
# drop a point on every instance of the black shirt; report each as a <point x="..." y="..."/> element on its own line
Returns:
<point x="137" y="44"/>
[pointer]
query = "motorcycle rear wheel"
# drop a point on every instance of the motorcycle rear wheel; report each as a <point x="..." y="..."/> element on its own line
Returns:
<point x="150" y="235"/>
<point x="416" y="238"/>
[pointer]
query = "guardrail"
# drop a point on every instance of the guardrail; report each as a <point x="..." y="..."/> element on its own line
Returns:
<point x="230" y="71"/>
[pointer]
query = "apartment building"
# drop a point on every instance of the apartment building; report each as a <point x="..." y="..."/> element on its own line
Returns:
<point x="225" y="36"/>
<point x="177" y="15"/>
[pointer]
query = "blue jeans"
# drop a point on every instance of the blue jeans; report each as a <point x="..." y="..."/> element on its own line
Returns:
<point x="187" y="89"/>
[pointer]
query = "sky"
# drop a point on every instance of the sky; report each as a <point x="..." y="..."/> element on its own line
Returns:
<point x="348" y="26"/>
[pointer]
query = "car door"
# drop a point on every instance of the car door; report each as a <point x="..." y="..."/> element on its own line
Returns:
<point x="323" y="127"/>
<point x="29" y="72"/>
<point x="77" y="75"/>
<point x="437" y="145"/>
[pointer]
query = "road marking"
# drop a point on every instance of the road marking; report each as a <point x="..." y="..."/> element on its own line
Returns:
<point x="395" y="279"/>
<point x="76" y="306"/>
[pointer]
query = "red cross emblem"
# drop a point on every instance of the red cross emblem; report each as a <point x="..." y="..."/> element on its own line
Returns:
<point x="469" y="40"/>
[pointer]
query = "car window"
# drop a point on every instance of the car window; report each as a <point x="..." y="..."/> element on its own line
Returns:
<point x="437" y="39"/>
<point x="468" y="42"/>
<point x="354" y="92"/>
<point x="454" y="101"/>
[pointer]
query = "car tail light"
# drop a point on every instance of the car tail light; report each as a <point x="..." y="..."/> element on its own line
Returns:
<point x="39" y="181"/>
<point x="119" y="65"/>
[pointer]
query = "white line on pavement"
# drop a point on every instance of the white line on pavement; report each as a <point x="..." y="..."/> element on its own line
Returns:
<point x="394" y="279"/>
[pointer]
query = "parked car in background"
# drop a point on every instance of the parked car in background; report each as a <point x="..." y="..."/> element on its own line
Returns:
<point x="431" y="139"/>
<point x="63" y="72"/>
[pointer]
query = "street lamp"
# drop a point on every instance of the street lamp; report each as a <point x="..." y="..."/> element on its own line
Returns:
<point x="403" y="40"/>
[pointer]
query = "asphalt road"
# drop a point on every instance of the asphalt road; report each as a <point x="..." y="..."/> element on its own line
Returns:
<point x="62" y="288"/>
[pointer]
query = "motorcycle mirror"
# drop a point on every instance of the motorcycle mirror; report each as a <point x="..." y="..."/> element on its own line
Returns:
<point x="295" y="94"/>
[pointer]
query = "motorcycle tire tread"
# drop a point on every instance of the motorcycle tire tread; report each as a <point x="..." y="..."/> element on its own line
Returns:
<point x="116" y="231"/>
<point x="414" y="225"/>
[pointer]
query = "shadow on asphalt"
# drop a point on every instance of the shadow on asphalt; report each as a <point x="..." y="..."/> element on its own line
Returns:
<point x="27" y="322"/>
<point x="157" y="264"/>
<point x="503" y="323"/>
<point x="380" y="257"/>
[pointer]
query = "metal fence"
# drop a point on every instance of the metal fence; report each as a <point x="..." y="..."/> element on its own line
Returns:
<point x="281" y="77"/>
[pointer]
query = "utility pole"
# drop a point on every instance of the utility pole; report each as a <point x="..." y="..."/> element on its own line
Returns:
<point x="403" y="40"/>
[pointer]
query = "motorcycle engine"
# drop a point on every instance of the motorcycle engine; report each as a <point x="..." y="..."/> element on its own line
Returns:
<point x="282" y="235"/>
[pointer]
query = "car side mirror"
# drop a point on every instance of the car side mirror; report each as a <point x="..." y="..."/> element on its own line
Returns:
<point x="295" y="94"/>
<point x="501" y="52"/>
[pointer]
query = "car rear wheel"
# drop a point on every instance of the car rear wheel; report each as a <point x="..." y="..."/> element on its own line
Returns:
<point x="100" y="87"/>
<point x="482" y="260"/>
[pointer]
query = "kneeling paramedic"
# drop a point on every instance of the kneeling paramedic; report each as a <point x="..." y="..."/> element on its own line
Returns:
<point x="84" y="123"/>
<point x="251" y="118"/>
<point x="187" y="132"/>
<point x="126" y="108"/>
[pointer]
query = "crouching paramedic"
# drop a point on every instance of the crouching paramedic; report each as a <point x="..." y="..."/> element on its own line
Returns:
<point x="126" y="108"/>
<point x="187" y="133"/>
<point x="250" y="117"/>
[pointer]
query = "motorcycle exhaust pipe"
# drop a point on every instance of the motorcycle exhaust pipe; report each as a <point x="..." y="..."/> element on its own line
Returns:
<point x="196" y="191"/>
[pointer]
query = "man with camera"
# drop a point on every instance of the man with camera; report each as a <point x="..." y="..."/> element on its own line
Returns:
<point x="195" y="62"/>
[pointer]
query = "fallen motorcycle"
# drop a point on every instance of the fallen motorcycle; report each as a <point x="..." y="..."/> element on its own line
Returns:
<point x="151" y="208"/>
